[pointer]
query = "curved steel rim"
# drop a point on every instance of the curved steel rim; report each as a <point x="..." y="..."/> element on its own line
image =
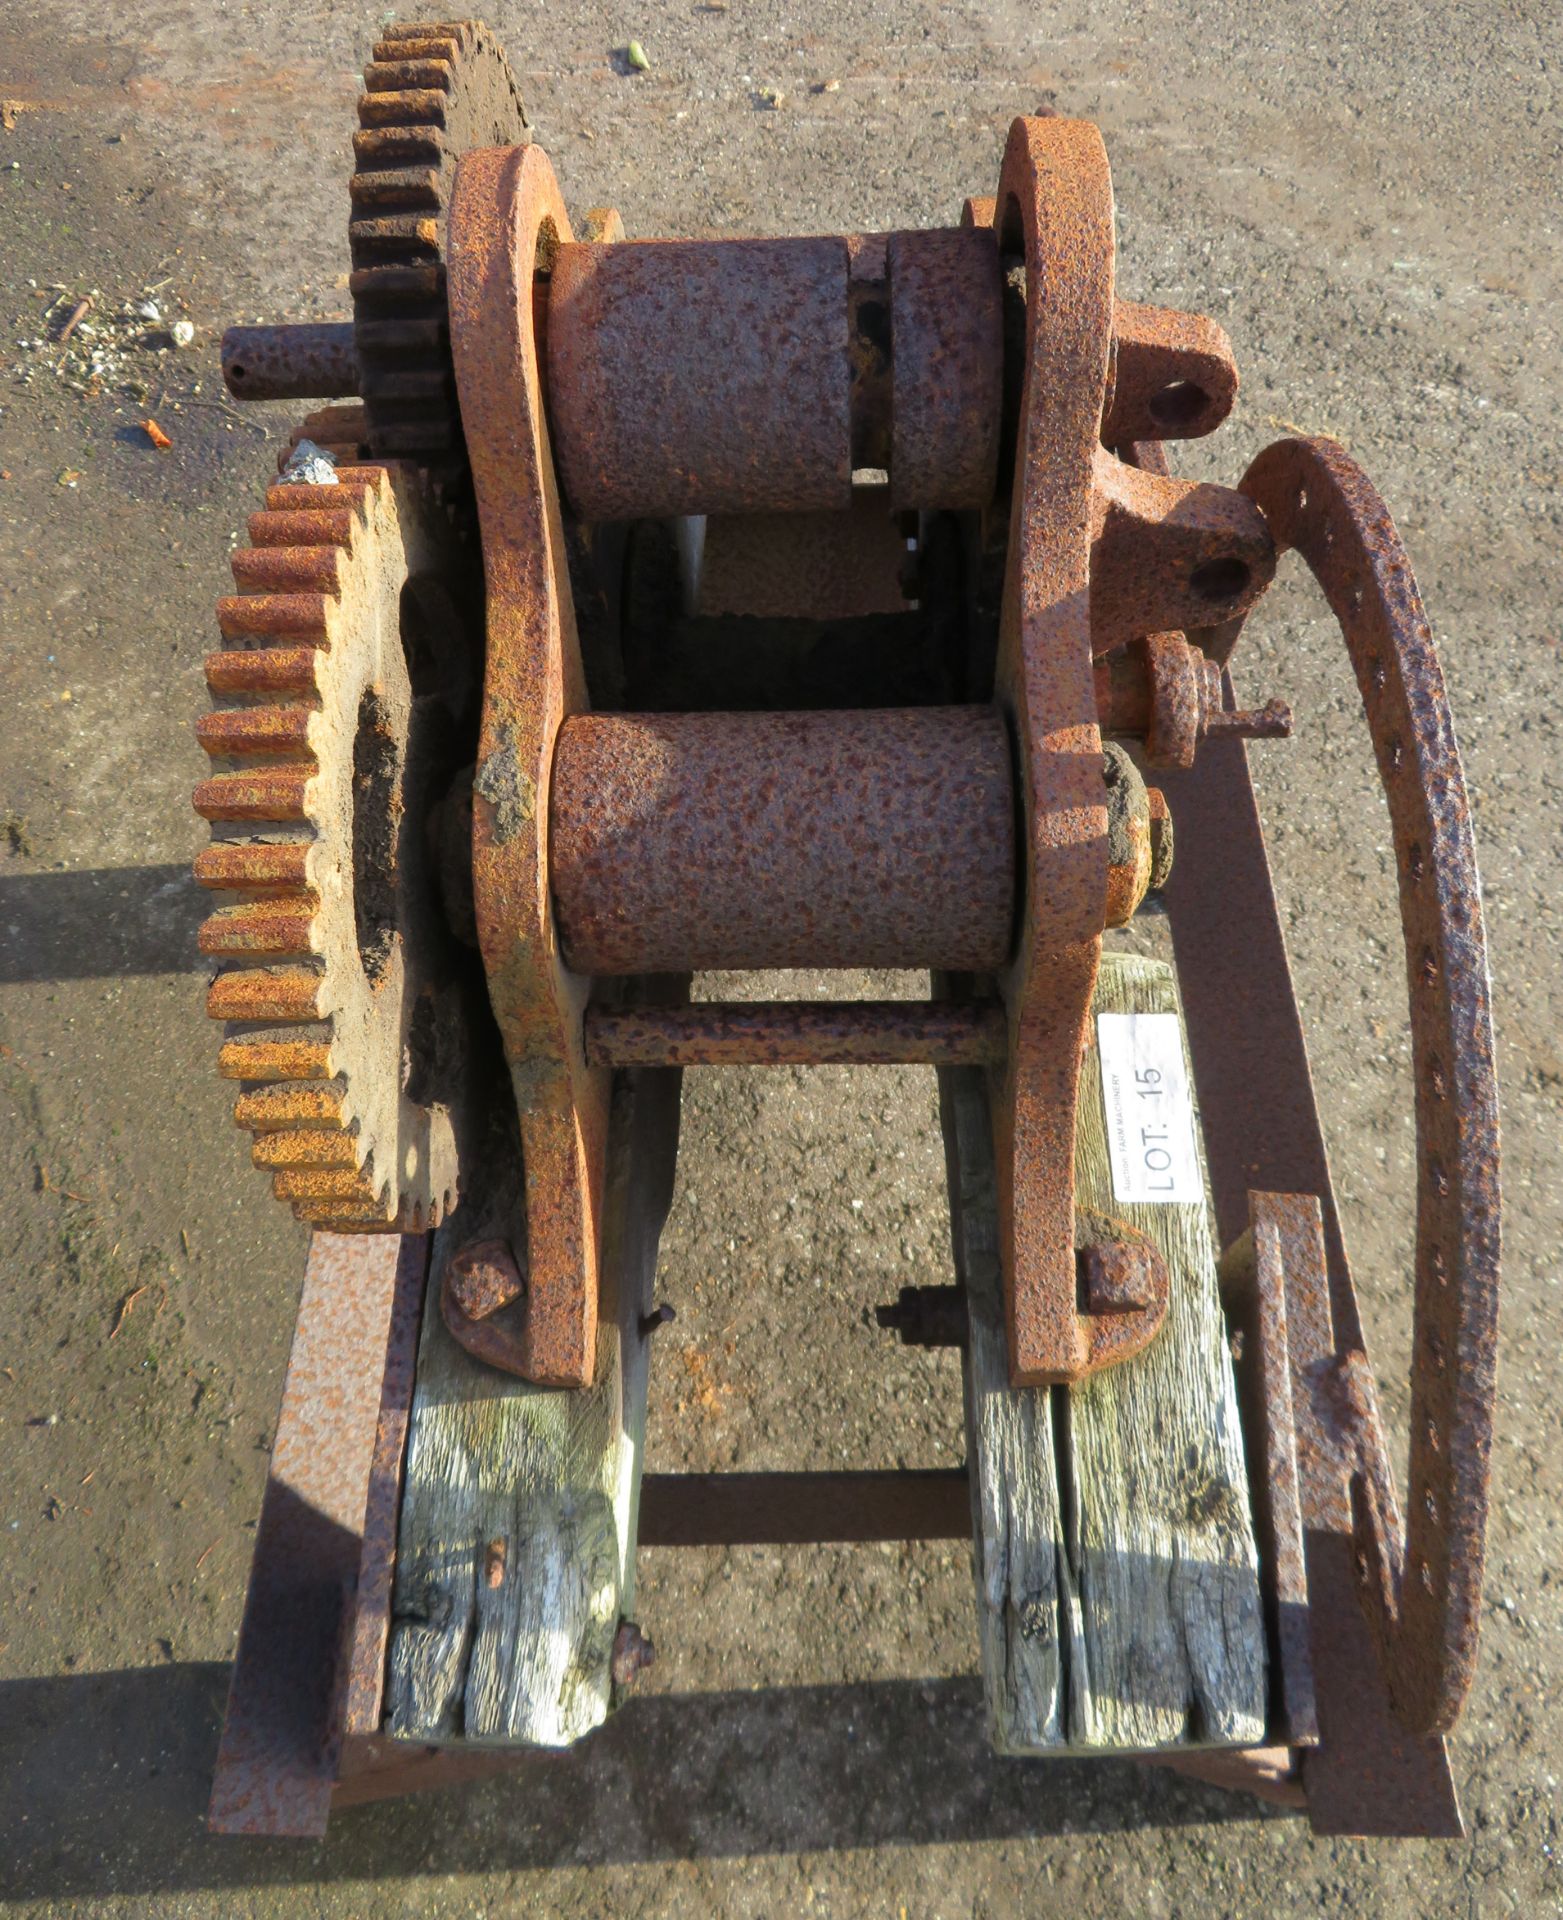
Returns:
<point x="1423" y="1602"/>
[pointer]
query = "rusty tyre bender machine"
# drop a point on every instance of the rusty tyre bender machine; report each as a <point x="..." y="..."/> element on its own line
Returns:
<point x="657" y="607"/>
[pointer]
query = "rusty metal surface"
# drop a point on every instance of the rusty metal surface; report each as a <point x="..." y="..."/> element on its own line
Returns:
<point x="1162" y="838"/>
<point x="869" y="348"/>
<point x="757" y="374"/>
<point x="1184" y="689"/>
<point x="1124" y="1290"/>
<point x="482" y="1277"/>
<point x="1253" y="1294"/>
<point x="947" y="366"/>
<point x="363" y="1683"/>
<point x="1174" y="377"/>
<point x="1122" y="1275"/>
<point x="505" y="205"/>
<point x="1131" y="841"/>
<point x="483" y="1305"/>
<point x="297" y="362"/>
<point x="879" y="838"/>
<point x="1170" y="553"/>
<point x="1338" y="1440"/>
<point x="378" y="1767"/>
<point x="278" y="1754"/>
<point x="1055" y="209"/>
<point x="300" y="724"/>
<point x="632" y="1654"/>
<point x="1269" y="1773"/>
<point x="760" y="1509"/>
<point x="431" y="93"/>
<point x="1262" y="1131"/>
<point x="339" y="432"/>
<point x="1168" y="694"/>
<point x="1425" y="1602"/>
<point x="781" y="1033"/>
<point x="808" y="566"/>
<point x="700" y="377"/>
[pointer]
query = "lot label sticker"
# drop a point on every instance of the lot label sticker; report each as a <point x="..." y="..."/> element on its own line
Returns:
<point x="1150" y="1108"/>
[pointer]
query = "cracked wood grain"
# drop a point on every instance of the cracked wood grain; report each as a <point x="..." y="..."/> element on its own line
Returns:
<point x="1117" y="1576"/>
<point x="516" y="1549"/>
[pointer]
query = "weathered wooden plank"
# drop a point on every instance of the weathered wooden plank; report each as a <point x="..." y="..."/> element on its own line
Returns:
<point x="516" y="1549"/>
<point x="1017" y="1522"/>
<point x="1160" y="1534"/>
<point x="1113" y="1519"/>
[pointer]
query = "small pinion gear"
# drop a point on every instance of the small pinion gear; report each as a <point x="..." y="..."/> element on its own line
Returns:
<point x="431" y="94"/>
<point x="346" y="696"/>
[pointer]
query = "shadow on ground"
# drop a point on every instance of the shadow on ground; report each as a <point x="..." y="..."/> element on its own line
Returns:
<point x="103" y="1781"/>
<point x="144" y="920"/>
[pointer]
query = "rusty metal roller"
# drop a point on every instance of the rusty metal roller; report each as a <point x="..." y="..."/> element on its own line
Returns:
<point x="868" y="839"/>
<point x="700" y="376"/>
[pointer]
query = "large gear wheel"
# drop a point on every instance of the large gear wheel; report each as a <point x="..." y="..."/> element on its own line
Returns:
<point x="432" y="93"/>
<point x="347" y="691"/>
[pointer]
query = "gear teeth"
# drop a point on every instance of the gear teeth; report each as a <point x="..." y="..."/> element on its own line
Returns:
<point x="349" y="471"/>
<point x="259" y="930"/>
<point x="430" y="440"/>
<point x="395" y="237"/>
<point x="397" y="31"/>
<point x="295" y="527"/>
<point x="403" y="339"/>
<point x="264" y="732"/>
<point x="399" y="287"/>
<point x="410" y="74"/>
<point x="276" y="676"/>
<point x="403" y="55"/>
<point x="371" y="1215"/>
<point x="303" y="1148"/>
<point x="276" y="1109"/>
<point x="278" y="794"/>
<point x="256" y="867"/>
<point x="275" y="1060"/>
<point x="275" y="616"/>
<point x="423" y="42"/>
<point x="323" y="1183"/>
<point x="265" y="993"/>
<point x="417" y="384"/>
<point x="432" y="93"/>
<point x="292" y="496"/>
<point x="343" y="431"/>
<point x="273" y="673"/>
<point x="398" y="189"/>
<point x="414" y="106"/>
<point x="382" y="151"/>
<point x="342" y="1217"/>
<point x="287" y="569"/>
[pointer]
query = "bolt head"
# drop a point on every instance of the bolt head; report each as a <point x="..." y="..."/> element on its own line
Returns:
<point x="1120" y="1276"/>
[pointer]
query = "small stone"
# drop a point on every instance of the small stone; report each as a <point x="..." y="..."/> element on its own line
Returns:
<point x="183" y="332"/>
<point x="309" y="466"/>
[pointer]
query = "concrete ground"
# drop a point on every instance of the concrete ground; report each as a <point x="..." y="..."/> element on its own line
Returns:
<point x="1365" y="195"/>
